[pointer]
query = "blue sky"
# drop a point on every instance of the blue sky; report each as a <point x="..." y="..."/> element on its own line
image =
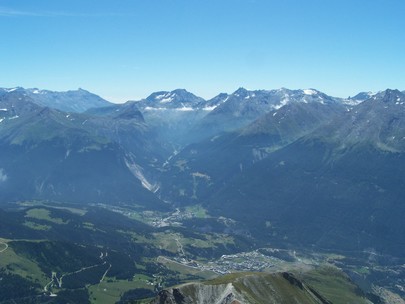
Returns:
<point x="126" y="49"/>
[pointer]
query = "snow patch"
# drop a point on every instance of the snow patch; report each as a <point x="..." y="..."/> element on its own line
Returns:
<point x="209" y="108"/>
<point x="283" y="102"/>
<point x="309" y="92"/>
<point x="3" y="176"/>
<point x="252" y="95"/>
<point x="160" y="96"/>
<point x="154" y="109"/>
<point x="185" y="109"/>
<point x="166" y="100"/>
<point x="14" y="117"/>
<point x="182" y="109"/>
<point x="351" y="102"/>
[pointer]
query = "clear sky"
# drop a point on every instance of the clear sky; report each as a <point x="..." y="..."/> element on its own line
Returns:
<point x="126" y="49"/>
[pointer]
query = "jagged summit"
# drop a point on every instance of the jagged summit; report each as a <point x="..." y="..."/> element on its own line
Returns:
<point x="378" y="121"/>
<point x="241" y="92"/>
<point x="363" y="96"/>
<point x="390" y="96"/>
<point x="176" y="99"/>
<point x="129" y="111"/>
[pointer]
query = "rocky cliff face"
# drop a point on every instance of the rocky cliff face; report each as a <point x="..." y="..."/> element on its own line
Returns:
<point x="245" y="289"/>
<point x="200" y="293"/>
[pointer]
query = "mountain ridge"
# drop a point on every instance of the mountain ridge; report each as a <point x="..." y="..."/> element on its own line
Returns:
<point x="278" y="288"/>
<point x="68" y="101"/>
<point x="50" y="154"/>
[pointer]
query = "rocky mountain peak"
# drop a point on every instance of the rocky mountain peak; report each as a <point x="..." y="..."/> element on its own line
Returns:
<point x="176" y="99"/>
<point x="390" y="96"/>
<point x="241" y="92"/>
<point x="130" y="111"/>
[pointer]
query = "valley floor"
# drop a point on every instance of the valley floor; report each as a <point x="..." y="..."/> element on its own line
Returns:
<point x="107" y="254"/>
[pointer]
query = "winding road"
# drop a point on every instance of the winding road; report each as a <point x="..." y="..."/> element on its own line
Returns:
<point x="5" y="246"/>
<point x="59" y="280"/>
<point x="179" y="246"/>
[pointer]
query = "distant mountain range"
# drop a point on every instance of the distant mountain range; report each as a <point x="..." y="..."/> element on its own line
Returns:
<point x="333" y="181"/>
<point x="292" y="167"/>
<point x="70" y="101"/>
<point x="49" y="154"/>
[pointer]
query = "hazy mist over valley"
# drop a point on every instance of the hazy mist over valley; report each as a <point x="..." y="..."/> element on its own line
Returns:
<point x="229" y="152"/>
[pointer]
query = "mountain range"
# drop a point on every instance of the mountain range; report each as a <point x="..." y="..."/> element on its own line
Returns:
<point x="293" y="167"/>
<point x="50" y="154"/>
<point x="338" y="187"/>
<point x="71" y="101"/>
